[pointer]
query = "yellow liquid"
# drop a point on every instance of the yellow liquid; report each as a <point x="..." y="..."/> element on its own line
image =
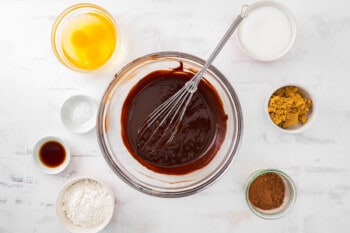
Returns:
<point x="89" y="40"/>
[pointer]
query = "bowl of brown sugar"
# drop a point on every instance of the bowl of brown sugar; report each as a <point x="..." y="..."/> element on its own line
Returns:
<point x="291" y="108"/>
<point x="270" y="193"/>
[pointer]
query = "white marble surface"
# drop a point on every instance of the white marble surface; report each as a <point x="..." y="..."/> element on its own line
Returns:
<point x="33" y="85"/>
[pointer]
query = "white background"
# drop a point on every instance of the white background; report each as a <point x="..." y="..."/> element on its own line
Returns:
<point x="33" y="85"/>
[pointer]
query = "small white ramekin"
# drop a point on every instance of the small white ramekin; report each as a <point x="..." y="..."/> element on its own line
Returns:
<point x="63" y="217"/>
<point x="67" y="111"/>
<point x="41" y="165"/>
<point x="311" y="116"/>
<point x="293" y="31"/>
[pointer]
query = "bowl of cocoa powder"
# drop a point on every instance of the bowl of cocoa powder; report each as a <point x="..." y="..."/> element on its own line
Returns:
<point x="270" y="193"/>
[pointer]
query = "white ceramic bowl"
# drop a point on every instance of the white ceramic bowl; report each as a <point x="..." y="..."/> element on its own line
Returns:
<point x="269" y="31"/>
<point x="78" y="113"/>
<point x="41" y="165"/>
<point x="68" y="224"/>
<point x="311" y="115"/>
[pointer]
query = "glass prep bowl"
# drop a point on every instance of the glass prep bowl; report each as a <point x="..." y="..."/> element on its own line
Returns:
<point x="66" y="20"/>
<point x="129" y="169"/>
<point x="288" y="200"/>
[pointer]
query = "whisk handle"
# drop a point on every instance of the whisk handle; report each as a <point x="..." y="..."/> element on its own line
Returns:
<point x="245" y="11"/>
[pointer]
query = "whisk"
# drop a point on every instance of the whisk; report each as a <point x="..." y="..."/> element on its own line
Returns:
<point x="161" y="126"/>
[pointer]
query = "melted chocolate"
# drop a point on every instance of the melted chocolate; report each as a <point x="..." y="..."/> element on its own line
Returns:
<point x="201" y="132"/>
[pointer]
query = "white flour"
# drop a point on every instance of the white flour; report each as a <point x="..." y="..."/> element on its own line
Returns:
<point x="87" y="204"/>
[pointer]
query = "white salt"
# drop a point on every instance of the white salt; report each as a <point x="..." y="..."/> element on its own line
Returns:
<point x="80" y="113"/>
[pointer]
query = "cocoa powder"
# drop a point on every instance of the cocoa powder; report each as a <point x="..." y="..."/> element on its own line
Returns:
<point x="267" y="191"/>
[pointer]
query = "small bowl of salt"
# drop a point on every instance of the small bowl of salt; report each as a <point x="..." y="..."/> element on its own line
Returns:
<point x="78" y="113"/>
<point x="84" y="205"/>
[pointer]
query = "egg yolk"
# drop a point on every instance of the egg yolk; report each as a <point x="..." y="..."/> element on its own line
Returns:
<point x="89" y="40"/>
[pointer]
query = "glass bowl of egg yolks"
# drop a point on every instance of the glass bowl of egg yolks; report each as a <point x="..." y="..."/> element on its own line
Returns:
<point x="84" y="37"/>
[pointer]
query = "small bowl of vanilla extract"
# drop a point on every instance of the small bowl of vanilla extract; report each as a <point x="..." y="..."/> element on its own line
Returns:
<point x="51" y="154"/>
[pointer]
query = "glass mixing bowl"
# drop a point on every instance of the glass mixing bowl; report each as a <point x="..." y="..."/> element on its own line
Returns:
<point x="129" y="169"/>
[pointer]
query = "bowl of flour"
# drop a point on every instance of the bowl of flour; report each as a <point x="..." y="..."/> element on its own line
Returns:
<point x="84" y="205"/>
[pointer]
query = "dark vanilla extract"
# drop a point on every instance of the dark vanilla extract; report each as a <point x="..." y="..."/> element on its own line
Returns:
<point x="52" y="154"/>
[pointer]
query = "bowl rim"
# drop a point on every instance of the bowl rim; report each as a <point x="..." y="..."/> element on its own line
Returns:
<point x="287" y="180"/>
<point x="311" y="116"/>
<point x="130" y="181"/>
<point x="294" y="31"/>
<point x="60" y="213"/>
<point x="44" y="168"/>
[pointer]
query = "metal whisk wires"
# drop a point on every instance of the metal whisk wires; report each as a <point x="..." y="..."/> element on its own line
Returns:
<point x="161" y="126"/>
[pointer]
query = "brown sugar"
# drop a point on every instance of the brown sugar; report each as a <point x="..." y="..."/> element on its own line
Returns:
<point x="267" y="191"/>
<point x="287" y="107"/>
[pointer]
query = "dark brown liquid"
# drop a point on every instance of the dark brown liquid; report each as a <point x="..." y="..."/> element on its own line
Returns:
<point x="202" y="128"/>
<point x="52" y="154"/>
